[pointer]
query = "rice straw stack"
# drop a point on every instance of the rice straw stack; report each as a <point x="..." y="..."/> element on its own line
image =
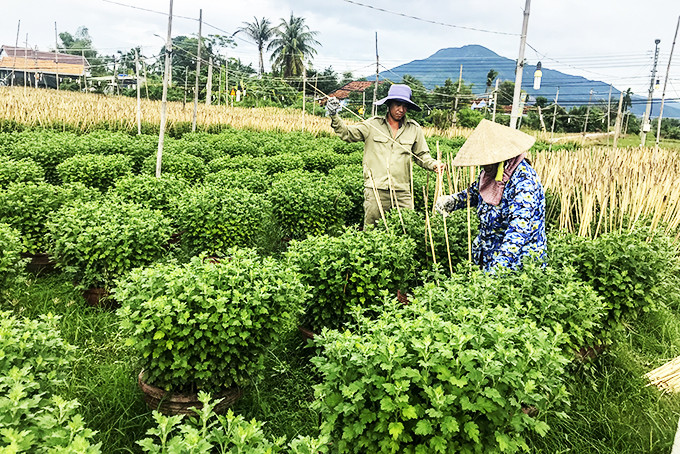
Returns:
<point x="666" y="377"/>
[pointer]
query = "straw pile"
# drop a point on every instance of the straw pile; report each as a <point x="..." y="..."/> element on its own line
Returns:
<point x="40" y="107"/>
<point x="601" y="190"/>
<point x="666" y="377"/>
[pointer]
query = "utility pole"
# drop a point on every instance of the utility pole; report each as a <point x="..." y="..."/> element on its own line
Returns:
<point x="495" y="101"/>
<point x="585" y="124"/>
<point x="663" y="94"/>
<point x="56" y="56"/>
<point x="164" y="100"/>
<point x="304" y="94"/>
<point x="455" y="102"/>
<point x="208" y="86"/>
<point x="645" y="120"/>
<point x="609" y="108"/>
<point x="617" y="125"/>
<point x="139" y="100"/>
<point x="198" y="70"/>
<point x="552" y="128"/>
<point x="515" y="113"/>
<point x="377" y="74"/>
<point x="14" y="60"/>
<point x="219" y="87"/>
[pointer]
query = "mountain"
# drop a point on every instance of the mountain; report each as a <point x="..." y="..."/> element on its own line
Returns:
<point x="478" y="60"/>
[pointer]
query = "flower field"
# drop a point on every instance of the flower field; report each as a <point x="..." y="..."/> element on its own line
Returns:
<point x="205" y="276"/>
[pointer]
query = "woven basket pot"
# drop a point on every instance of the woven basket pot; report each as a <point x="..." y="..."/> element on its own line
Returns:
<point x="180" y="404"/>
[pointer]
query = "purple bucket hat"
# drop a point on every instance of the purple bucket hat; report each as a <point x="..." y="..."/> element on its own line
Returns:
<point x="399" y="92"/>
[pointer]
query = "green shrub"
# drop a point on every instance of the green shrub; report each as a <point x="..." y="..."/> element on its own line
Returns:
<point x="213" y="219"/>
<point x="256" y="181"/>
<point x="47" y="148"/>
<point x="96" y="242"/>
<point x="206" y="431"/>
<point x="34" y="363"/>
<point x="24" y="170"/>
<point x="349" y="177"/>
<point x="95" y="171"/>
<point x="236" y="142"/>
<point x="415" y="380"/>
<point x="177" y="164"/>
<point x="196" y="144"/>
<point x="322" y="161"/>
<point x="149" y="191"/>
<point x="26" y="207"/>
<point x="12" y="266"/>
<point x="206" y="324"/>
<point x="236" y="163"/>
<point x="352" y="269"/>
<point x="279" y="163"/>
<point x="307" y="204"/>
<point x="631" y="272"/>
<point x="556" y="299"/>
<point x="414" y="225"/>
<point x="137" y="148"/>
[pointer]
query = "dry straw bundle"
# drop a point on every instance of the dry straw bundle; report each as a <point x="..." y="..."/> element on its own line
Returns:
<point x="40" y="107"/>
<point x="666" y="377"/>
<point x="601" y="190"/>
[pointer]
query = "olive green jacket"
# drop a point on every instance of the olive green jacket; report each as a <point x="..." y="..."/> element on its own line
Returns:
<point x="386" y="158"/>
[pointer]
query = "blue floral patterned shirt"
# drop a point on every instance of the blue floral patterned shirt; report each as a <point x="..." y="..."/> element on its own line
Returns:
<point x="512" y="230"/>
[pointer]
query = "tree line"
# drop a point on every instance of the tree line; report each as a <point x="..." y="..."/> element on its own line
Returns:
<point x="291" y="47"/>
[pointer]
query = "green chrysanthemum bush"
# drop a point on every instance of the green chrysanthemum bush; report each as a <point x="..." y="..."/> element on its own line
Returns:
<point x="213" y="219"/>
<point x="254" y="180"/>
<point x="207" y="431"/>
<point x="206" y="324"/>
<point x="556" y="299"/>
<point x="633" y="272"/>
<point x="24" y="170"/>
<point x="416" y="380"/>
<point x="349" y="177"/>
<point x="94" y="170"/>
<point x="413" y="223"/>
<point x="26" y="206"/>
<point x="48" y="149"/>
<point x="307" y="204"/>
<point x="34" y="365"/>
<point x="12" y="266"/>
<point x="178" y="164"/>
<point x="353" y="269"/>
<point x="279" y="163"/>
<point x="97" y="242"/>
<point x="149" y="191"/>
<point x="137" y="148"/>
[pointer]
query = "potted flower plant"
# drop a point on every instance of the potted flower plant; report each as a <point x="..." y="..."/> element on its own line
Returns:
<point x="205" y="325"/>
<point x="96" y="242"/>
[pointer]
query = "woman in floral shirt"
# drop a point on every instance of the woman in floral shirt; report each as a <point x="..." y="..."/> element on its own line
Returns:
<point x="509" y="197"/>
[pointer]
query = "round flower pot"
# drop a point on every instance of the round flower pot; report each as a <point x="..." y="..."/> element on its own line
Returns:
<point x="305" y="333"/>
<point x="99" y="297"/>
<point x="180" y="404"/>
<point x="40" y="263"/>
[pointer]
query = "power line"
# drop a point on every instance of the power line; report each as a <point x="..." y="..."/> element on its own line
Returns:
<point x="408" y="16"/>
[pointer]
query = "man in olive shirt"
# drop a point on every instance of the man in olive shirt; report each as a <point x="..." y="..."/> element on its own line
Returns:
<point x="389" y="144"/>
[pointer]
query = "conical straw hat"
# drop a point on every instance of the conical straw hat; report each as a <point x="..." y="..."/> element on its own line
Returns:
<point x="490" y="143"/>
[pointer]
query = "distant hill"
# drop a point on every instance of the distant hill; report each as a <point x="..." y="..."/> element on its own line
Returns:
<point x="478" y="60"/>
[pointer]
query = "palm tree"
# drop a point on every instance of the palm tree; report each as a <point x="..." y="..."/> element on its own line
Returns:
<point x="260" y="31"/>
<point x="294" y="41"/>
<point x="490" y="77"/>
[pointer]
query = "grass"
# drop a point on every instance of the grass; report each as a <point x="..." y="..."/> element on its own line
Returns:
<point x="612" y="410"/>
<point x="104" y="378"/>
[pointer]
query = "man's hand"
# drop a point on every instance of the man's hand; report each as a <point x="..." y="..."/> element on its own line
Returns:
<point x="439" y="166"/>
<point x="333" y="106"/>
